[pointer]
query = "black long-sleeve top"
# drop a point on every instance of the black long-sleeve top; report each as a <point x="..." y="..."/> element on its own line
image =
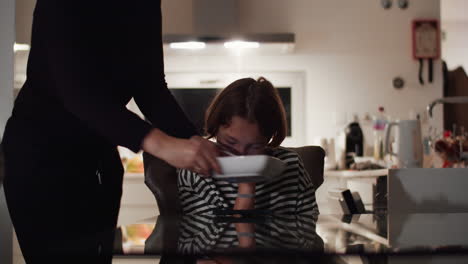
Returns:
<point x="87" y="60"/>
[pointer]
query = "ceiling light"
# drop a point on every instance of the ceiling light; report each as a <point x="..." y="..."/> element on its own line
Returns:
<point x="238" y="44"/>
<point x="20" y="47"/>
<point x="192" y="45"/>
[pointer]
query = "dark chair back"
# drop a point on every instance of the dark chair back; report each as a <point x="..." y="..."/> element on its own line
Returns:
<point x="313" y="158"/>
<point x="161" y="178"/>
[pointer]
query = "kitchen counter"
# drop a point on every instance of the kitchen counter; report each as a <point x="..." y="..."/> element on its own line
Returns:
<point x="134" y="176"/>
<point x="369" y="184"/>
<point x="354" y="174"/>
<point x="137" y="201"/>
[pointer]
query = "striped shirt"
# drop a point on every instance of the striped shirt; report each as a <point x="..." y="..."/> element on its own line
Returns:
<point x="290" y="193"/>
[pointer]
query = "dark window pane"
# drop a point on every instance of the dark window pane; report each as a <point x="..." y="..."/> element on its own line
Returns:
<point x="194" y="102"/>
<point x="285" y="94"/>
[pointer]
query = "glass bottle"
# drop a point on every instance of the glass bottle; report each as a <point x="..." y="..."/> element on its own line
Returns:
<point x="380" y="122"/>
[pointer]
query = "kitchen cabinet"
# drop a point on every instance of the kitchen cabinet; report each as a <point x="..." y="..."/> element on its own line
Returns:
<point x="455" y="84"/>
<point x="428" y="190"/>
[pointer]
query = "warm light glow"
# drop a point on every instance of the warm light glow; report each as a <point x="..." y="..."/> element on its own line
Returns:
<point x="20" y="47"/>
<point x="193" y="45"/>
<point x="239" y="44"/>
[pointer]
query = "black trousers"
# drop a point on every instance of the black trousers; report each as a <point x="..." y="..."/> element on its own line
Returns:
<point x="63" y="193"/>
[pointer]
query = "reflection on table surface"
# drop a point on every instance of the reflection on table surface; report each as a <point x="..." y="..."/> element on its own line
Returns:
<point x="220" y="238"/>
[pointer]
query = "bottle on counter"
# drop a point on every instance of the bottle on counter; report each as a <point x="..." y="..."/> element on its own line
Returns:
<point x="354" y="141"/>
<point x="380" y="122"/>
<point x="341" y="149"/>
<point x="328" y="144"/>
<point x="331" y="155"/>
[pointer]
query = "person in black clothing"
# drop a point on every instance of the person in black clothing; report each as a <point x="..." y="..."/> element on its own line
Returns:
<point x="63" y="175"/>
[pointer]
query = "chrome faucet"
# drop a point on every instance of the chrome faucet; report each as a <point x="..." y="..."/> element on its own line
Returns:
<point x="447" y="100"/>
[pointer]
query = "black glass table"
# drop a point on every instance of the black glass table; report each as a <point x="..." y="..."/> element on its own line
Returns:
<point x="264" y="238"/>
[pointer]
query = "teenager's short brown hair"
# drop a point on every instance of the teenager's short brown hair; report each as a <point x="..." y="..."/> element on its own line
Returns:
<point x="255" y="100"/>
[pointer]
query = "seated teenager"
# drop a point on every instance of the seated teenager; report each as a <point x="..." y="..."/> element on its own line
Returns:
<point x="248" y="118"/>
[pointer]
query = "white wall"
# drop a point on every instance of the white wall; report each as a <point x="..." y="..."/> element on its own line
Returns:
<point x="455" y="26"/>
<point x="349" y="51"/>
<point x="24" y="9"/>
<point x="7" y="39"/>
<point x="7" y="36"/>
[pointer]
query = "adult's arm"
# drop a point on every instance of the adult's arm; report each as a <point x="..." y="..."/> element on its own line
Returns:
<point x="153" y="98"/>
<point x="160" y="107"/>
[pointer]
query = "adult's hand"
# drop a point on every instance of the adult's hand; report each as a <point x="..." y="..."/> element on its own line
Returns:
<point x="196" y="154"/>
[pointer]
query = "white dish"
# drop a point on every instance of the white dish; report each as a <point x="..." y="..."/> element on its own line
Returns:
<point x="250" y="168"/>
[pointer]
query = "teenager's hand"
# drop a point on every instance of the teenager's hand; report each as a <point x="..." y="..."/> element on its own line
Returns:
<point x="196" y="154"/>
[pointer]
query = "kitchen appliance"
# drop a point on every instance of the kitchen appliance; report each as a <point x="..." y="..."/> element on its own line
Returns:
<point x="408" y="143"/>
<point x="354" y="142"/>
<point x="219" y="25"/>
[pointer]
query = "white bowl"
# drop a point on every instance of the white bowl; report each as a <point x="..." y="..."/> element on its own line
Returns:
<point x="250" y="168"/>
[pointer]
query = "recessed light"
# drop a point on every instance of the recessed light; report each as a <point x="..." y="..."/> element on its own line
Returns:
<point x="239" y="44"/>
<point x="192" y="45"/>
<point x="20" y="47"/>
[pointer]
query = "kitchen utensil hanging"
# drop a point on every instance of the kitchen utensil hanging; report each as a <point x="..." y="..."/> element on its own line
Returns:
<point x="426" y="45"/>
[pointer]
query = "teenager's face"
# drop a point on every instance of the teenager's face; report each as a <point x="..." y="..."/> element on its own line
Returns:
<point x="242" y="137"/>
